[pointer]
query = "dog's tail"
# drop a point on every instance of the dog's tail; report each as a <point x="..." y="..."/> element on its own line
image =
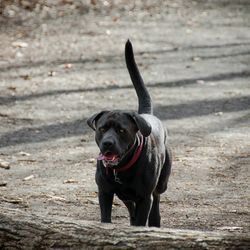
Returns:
<point x="144" y="99"/>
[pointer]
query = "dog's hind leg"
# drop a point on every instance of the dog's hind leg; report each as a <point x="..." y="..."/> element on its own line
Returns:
<point x="154" y="216"/>
<point x="165" y="172"/>
<point x="142" y="210"/>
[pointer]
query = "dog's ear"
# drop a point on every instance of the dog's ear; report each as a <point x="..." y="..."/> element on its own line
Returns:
<point x="143" y="126"/>
<point x="94" y="118"/>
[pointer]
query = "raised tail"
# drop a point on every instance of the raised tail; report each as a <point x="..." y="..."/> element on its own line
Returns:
<point x="144" y="99"/>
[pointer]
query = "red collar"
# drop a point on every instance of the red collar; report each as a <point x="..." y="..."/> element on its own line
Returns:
<point x="133" y="160"/>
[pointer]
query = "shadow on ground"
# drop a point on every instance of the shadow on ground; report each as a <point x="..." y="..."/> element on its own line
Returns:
<point x="4" y="100"/>
<point x="78" y="127"/>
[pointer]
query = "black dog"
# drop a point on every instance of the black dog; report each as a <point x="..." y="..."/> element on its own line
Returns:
<point x="135" y="160"/>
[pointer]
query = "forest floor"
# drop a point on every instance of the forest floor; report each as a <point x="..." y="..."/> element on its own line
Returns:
<point x="57" y="69"/>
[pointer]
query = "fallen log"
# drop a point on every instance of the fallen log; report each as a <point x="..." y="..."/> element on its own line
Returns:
<point x="22" y="230"/>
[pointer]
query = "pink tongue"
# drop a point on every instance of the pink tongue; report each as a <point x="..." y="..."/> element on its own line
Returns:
<point x="100" y="157"/>
<point x="108" y="157"/>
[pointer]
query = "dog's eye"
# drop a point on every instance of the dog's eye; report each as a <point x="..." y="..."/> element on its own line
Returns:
<point x="122" y="130"/>
<point x="102" y="130"/>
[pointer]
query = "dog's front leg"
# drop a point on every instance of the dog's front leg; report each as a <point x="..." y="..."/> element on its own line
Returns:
<point x="105" y="201"/>
<point x="142" y="211"/>
<point x="131" y="208"/>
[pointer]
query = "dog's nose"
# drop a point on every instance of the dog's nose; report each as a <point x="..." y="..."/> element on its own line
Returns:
<point x="108" y="143"/>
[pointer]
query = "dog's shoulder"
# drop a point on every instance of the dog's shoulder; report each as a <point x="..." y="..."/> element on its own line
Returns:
<point x="158" y="129"/>
<point x="157" y="138"/>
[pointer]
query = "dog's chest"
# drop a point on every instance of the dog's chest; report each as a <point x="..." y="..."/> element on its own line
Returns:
<point x="126" y="194"/>
<point x="128" y="190"/>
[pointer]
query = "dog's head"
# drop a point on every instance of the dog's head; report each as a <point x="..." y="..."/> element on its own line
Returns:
<point x="116" y="133"/>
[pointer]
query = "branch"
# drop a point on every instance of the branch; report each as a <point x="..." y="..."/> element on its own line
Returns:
<point x="22" y="230"/>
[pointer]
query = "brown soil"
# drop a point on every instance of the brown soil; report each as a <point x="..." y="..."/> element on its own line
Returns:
<point x="55" y="71"/>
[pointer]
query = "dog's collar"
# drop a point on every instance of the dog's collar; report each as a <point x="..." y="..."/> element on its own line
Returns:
<point x="134" y="158"/>
<point x="132" y="161"/>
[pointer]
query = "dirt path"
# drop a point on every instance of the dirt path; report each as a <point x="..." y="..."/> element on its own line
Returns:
<point x="195" y="60"/>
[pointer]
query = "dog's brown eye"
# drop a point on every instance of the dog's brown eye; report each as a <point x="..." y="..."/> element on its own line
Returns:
<point x="102" y="130"/>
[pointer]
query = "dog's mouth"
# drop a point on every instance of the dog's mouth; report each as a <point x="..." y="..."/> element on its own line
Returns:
<point x="112" y="159"/>
<point x="109" y="158"/>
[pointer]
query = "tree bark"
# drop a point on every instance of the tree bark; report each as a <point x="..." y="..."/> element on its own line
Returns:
<point x="22" y="230"/>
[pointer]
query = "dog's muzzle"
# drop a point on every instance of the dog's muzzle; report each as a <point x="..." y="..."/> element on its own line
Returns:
<point x="109" y="159"/>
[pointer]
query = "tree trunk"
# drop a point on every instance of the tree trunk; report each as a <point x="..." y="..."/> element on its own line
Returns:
<point x="21" y="230"/>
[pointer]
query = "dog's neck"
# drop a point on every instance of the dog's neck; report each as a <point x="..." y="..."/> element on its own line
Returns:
<point x="131" y="156"/>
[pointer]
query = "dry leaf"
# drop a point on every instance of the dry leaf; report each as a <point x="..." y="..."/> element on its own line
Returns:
<point x="3" y="183"/>
<point x="29" y="177"/>
<point x="93" y="2"/>
<point x="19" y="44"/>
<point x="15" y="200"/>
<point x="26" y="77"/>
<point x="68" y="66"/>
<point x="13" y="88"/>
<point x="23" y="153"/>
<point x="91" y="160"/>
<point x="70" y="181"/>
<point x="55" y="198"/>
<point x="4" y="164"/>
<point x="51" y="73"/>
<point x="218" y="113"/>
<point x="200" y="81"/>
<point x="196" y="58"/>
<point x="92" y="201"/>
